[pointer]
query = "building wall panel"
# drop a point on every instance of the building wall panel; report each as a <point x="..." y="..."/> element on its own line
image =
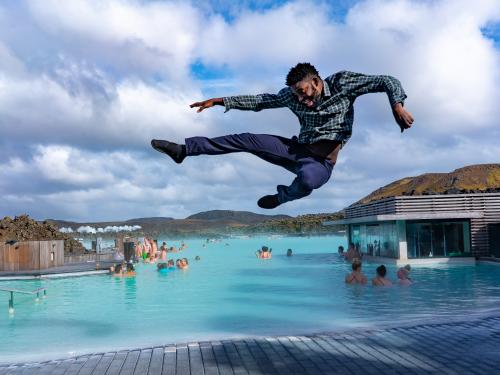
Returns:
<point x="486" y="203"/>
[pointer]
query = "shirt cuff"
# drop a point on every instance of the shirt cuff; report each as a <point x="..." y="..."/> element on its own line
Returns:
<point x="228" y="103"/>
<point x="397" y="99"/>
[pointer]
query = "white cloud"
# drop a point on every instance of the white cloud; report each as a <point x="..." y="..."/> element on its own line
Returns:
<point x="78" y="111"/>
<point x="42" y="109"/>
<point x="155" y="36"/>
<point x="279" y="36"/>
<point x="69" y="166"/>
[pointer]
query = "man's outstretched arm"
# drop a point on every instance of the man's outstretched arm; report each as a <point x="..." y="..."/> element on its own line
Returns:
<point x="207" y="104"/>
<point x="356" y="84"/>
<point x="247" y="102"/>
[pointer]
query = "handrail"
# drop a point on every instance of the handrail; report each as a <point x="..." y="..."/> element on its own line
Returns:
<point x="12" y="291"/>
<point x="35" y="291"/>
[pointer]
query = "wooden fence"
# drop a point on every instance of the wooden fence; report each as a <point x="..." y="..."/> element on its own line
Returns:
<point x="31" y="255"/>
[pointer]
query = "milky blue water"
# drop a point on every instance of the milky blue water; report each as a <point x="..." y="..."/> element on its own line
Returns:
<point x="231" y="293"/>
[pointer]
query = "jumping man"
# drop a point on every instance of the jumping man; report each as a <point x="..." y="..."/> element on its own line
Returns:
<point x="325" y="111"/>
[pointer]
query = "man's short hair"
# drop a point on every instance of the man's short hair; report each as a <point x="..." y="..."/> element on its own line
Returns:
<point x="299" y="72"/>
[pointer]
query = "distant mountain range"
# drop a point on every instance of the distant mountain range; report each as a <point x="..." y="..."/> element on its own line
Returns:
<point x="243" y="217"/>
<point x="201" y="224"/>
<point x="478" y="178"/>
<point x="470" y="179"/>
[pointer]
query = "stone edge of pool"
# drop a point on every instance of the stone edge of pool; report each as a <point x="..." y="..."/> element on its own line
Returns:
<point x="428" y="322"/>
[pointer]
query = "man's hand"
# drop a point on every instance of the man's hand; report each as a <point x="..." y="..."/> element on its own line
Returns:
<point x="402" y="116"/>
<point x="207" y="104"/>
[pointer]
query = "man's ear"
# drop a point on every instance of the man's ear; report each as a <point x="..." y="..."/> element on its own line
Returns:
<point x="316" y="80"/>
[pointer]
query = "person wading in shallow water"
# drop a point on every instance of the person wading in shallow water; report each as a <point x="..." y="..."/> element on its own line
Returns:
<point x="325" y="111"/>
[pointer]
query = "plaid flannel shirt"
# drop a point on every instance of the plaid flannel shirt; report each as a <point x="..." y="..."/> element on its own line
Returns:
<point x="333" y="117"/>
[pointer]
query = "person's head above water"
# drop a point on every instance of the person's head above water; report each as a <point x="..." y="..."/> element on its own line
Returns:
<point x="403" y="272"/>
<point x="356" y="264"/>
<point x="289" y="252"/>
<point x="265" y="249"/>
<point x="306" y="84"/>
<point x="381" y="271"/>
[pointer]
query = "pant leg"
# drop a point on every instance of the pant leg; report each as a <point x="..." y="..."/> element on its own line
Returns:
<point x="312" y="173"/>
<point x="272" y="148"/>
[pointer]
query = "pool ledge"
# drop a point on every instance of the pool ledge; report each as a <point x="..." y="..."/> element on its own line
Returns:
<point x="423" y="262"/>
<point x="52" y="275"/>
<point x="489" y="260"/>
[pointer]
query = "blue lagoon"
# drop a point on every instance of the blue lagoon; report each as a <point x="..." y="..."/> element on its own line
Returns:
<point x="230" y="293"/>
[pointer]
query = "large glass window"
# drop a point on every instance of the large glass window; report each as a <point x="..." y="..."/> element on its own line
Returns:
<point x="438" y="239"/>
<point x="377" y="239"/>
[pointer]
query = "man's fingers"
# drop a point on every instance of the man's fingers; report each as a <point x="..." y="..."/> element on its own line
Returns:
<point x="197" y="104"/>
<point x="408" y="117"/>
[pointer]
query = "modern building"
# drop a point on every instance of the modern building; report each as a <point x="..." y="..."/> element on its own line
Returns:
<point x="426" y="226"/>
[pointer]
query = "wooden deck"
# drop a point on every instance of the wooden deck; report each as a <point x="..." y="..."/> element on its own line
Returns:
<point x="469" y="347"/>
<point x="66" y="269"/>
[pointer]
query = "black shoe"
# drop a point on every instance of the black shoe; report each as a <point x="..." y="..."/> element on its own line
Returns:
<point x="175" y="151"/>
<point x="269" y="201"/>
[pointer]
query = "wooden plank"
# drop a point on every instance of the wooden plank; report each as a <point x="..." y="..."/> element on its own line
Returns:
<point x="90" y="364"/>
<point x="234" y="358"/>
<point x="103" y="364"/>
<point x="182" y="365"/>
<point x="44" y="255"/>
<point x="63" y="366"/>
<point x="75" y="367"/>
<point x="47" y="368"/>
<point x="222" y="361"/>
<point x="195" y="359"/>
<point x="34" y="247"/>
<point x="156" y="363"/>
<point x="2" y="251"/>
<point x="169" y="360"/>
<point x="117" y="363"/>
<point x="142" y="365"/>
<point x="209" y="362"/>
<point x="61" y="252"/>
<point x="11" y="259"/>
<point x="260" y="357"/>
<point x="23" y="254"/>
<point x="246" y="356"/>
<point x="130" y="362"/>
<point x="290" y="362"/>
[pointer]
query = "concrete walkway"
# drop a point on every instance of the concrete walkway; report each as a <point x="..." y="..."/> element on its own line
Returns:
<point x="469" y="347"/>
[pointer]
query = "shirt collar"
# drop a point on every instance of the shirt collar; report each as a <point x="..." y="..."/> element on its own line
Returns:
<point x="326" y="89"/>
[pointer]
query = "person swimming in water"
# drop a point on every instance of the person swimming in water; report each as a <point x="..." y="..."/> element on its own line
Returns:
<point x="264" y="253"/>
<point x="356" y="276"/>
<point x="380" y="279"/>
<point x="403" y="275"/>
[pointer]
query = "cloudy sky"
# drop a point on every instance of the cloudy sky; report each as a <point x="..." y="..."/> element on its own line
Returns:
<point x="85" y="85"/>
